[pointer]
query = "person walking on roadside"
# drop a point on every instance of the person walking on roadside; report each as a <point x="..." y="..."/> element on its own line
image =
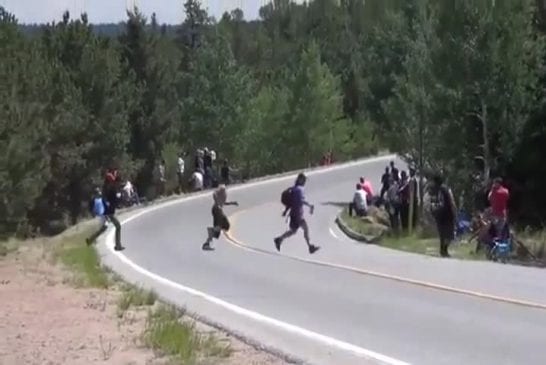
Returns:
<point x="220" y="221"/>
<point x="111" y="200"/>
<point x="297" y="220"/>
<point x="444" y="211"/>
<point x="98" y="209"/>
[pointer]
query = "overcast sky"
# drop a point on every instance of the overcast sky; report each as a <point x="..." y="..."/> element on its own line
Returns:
<point x="106" y="11"/>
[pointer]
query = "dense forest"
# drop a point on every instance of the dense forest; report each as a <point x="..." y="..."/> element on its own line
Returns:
<point x="452" y="86"/>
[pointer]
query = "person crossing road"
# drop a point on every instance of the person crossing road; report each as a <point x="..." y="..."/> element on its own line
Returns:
<point x="295" y="208"/>
<point x="220" y="222"/>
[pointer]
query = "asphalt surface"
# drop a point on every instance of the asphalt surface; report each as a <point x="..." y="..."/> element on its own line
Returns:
<point x="323" y="314"/>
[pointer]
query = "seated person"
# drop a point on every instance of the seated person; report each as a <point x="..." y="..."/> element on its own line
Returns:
<point x="196" y="180"/>
<point x="359" y="204"/>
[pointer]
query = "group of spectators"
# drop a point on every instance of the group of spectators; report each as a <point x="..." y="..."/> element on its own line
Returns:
<point x="205" y="173"/>
<point x="397" y="190"/>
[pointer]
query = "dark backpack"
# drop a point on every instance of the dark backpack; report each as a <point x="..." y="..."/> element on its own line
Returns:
<point x="286" y="198"/>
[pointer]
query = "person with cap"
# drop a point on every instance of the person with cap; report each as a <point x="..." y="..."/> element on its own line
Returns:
<point x="297" y="220"/>
<point x="220" y="221"/>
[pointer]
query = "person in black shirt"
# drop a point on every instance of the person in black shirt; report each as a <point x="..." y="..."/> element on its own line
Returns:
<point x="207" y="164"/>
<point x="111" y="199"/>
<point x="394" y="172"/>
<point x="444" y="211"/>
<point x="385" y="182"/>
<point x="224" y="173"/>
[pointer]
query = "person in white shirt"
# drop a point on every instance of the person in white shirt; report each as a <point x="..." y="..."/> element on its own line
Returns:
<point x="180" y="172"/>
<point x="359" y="205"/>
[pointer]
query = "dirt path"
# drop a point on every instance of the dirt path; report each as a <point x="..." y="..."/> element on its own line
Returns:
<point x="45" y="320"/>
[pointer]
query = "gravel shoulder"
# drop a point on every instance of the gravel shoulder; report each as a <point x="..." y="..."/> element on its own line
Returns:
<point x="50" y="316"/>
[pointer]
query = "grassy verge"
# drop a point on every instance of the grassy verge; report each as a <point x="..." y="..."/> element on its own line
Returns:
<point x="426" y="243"/>
<point x="166" y="330"/>
<point x="415" y="243"/>
<point x="360" y="226"/>
<point x="168" y="333"/>
<point x="7" y="247"/>
<point x="82" y="260"/>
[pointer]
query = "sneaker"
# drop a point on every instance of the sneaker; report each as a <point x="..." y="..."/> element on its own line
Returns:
<point x="278" y="242"/>
<point x="207" y="247"/>
<point x="119" y="248"/>
<point x="313" y="249"/>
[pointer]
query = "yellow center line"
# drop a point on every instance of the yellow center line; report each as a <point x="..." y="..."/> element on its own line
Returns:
<point x="237" y="243"/>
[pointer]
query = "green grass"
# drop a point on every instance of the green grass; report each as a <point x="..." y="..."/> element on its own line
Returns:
<point x="7" y="247"/>
<point x="135" y="297"/>
<point x="358" y="225"/>
<point x="431" y="247"/>
<point x="168" y="334"/>
<point x="415" y="243"/>
<point x="83" y="260"/>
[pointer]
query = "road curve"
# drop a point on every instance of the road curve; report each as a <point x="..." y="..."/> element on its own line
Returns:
<point x="349" y="303"/>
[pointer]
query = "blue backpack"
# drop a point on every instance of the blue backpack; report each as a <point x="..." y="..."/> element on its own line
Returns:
<point x="98" y="207"/>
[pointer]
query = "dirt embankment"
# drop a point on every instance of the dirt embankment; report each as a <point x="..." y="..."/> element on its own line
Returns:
<point x="48" y="317"/>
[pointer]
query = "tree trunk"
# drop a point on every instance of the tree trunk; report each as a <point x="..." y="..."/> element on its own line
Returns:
<point x="485" y="145"/>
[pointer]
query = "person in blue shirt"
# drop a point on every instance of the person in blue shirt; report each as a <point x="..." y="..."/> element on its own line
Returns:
<point x="297" y="220"/>
<point x="97" y="207"/>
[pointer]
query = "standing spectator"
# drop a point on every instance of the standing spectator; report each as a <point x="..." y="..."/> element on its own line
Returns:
<point x="225" y="173"/>
<point x="385" y="179"/>
<point x="394" y="172"/>
<point x="111" y="200"/>
<point x="414" y="186"/>
<point x="207" y="164"/>
<point x="359" y="204"/>
<point x="181" y="166"/>
<point x="498" y="200"/>
<point x="393" y="203"/>
<point x="404" y="193"/>
<point x="162" y="179"/>
<point x="198" y="163"/>
<point x="444" y="211"/>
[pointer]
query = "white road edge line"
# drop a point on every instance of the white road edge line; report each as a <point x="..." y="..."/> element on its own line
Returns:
<point x="333" y="233"/>
<point x="109" y="241"/>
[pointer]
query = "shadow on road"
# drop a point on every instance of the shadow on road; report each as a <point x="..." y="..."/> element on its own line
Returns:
<point x="336" y="204"/>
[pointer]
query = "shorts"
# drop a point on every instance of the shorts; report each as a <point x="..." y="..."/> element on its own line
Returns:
<point x="295" y="222"/>
<point x="219" y="220"/>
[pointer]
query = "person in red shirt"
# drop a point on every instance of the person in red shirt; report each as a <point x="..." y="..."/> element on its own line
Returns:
<point x="367" y="187"/>
<point x="498" y="200"/>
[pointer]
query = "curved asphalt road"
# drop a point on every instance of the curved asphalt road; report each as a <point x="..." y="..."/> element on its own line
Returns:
<point x="332" y="307"/>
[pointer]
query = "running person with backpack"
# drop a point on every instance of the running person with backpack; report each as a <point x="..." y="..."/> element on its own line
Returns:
<point x="219" y="220"/>
<point x="294" y="200"/>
